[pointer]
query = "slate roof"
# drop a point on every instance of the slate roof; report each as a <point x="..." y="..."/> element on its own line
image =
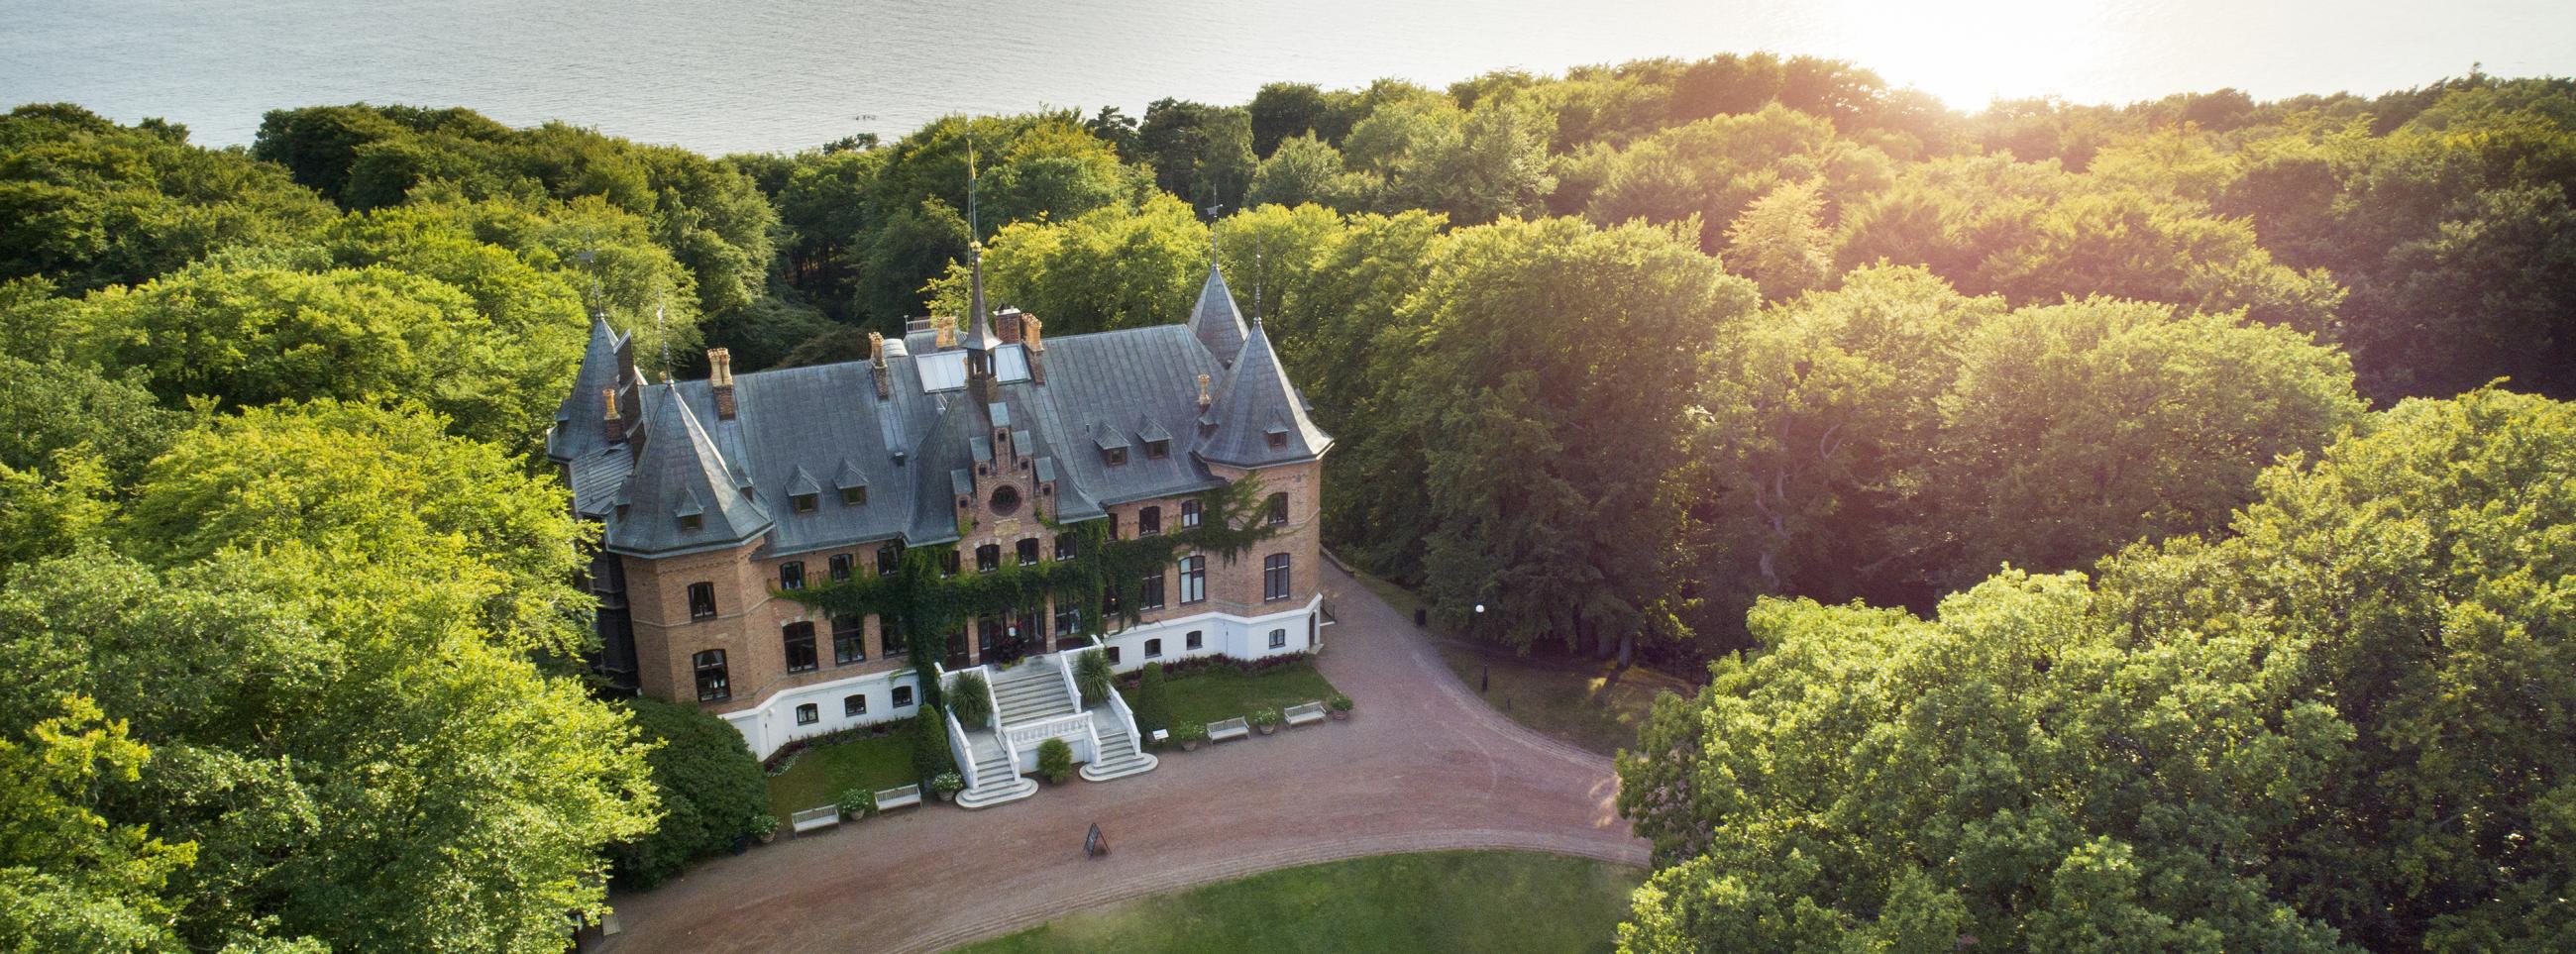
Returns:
<point x="802" y="430"/>
<point x="1215" y="320"/>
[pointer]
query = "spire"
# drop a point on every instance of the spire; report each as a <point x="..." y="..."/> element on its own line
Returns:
<point x="1257" y="418"/>
<point x="1215" y="320"/>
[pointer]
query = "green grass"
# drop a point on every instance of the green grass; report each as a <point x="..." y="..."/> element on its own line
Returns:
<point x="1587" y="702"/>
<point x="825" y="771"/>
<point x="1486" y="901"/>
<point x="1213" y="695"/>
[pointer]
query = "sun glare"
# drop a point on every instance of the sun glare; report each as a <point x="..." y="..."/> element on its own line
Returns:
<point x="1971" y="52"/>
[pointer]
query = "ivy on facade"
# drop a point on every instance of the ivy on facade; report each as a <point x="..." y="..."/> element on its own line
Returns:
<point x="1105" y="577"/>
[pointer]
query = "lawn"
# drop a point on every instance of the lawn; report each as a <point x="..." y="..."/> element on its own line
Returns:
<point x="1216" y="694"/>
<point x="1498" y="901"/>
<point x="821" y="774"/>
<point x="1583" y="701"/>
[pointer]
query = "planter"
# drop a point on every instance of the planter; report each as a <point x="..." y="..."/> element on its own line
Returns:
<point x="948" y="796"/>
<point x="768" y="836"/>
<point x="1268" y="729"/>
<point x="1340" y="716"/>
<point x="1189" y="745"/>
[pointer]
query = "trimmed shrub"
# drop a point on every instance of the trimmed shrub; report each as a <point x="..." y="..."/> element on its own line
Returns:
<point x="1055" y="760"/>
<point x="930" y="753"/>
<point x="1152" y="710"/>
<point x="711" y="789"/>
<point x="1093" y="674"/>
<point x="970" y="700"/>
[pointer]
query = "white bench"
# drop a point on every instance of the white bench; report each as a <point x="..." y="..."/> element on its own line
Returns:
<point x="816" y="819"/>
<point x="1234" y="728"/>
<point x="1305" y="712"/>
<point x="893" y="798"/>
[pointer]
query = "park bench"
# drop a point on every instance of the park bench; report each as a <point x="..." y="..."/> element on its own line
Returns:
<point x="1305" y="712"/>
<point x="815" y="819"/>
<point x="892" y="798"/>
<point x="1234" y="728"/>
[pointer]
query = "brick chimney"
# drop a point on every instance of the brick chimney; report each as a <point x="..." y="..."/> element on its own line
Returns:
<point x="720" y="380"/>
<point x="1008" y="325"/>
<point x="615" y="422"/>
<point x="944" y="331"/>
<point x="877" y="365"/>
<point x="1030" y="339"/>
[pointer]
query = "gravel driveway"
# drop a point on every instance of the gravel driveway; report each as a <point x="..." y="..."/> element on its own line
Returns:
<point x="1421" y="765"/>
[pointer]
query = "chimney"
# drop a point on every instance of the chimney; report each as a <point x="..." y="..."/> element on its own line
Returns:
<point x="615" y="422"/>
<point x="944" y="329"/>
<point x="877" y="362"/>
<point x="1204" y="399"/>
<point x="1030" y="326"/>
<point x="720" y="380"/>
<point x="1009" y="325"/>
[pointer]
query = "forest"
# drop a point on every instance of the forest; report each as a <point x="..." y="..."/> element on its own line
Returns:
<point x="2101" y="527"/>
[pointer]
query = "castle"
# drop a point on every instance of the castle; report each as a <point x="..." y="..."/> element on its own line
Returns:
<point x="717" y="496"/>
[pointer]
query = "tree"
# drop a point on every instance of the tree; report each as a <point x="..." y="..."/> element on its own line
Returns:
<point x="1283" y="111"/>
<point x="1115" y="267"/>
<point x="1153" y="710"/>
<point x="931" y="755"/>
<point x="706" y="781"/>
<point x="1305" y="169"/>
<point x="1536" y="335"/>
<point x="2075" y="429"/>
<point x="1780" y="241"/>
<point x="69" y="878"/>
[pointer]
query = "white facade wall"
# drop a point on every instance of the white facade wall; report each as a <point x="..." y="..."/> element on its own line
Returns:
<point x="1220" y="634"/>
<point x="773" y="723"/>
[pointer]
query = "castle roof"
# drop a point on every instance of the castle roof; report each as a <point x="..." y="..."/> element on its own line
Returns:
<point x="796" y="430"/>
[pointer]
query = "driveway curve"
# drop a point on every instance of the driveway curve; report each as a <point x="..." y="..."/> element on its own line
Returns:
<point x="1421" y="765"/>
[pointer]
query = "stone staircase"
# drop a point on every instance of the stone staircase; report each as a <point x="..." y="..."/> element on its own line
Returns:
<point x="1119" y="756"/>
<point x="1029" y="693"/>
<point x="993" y="769"/>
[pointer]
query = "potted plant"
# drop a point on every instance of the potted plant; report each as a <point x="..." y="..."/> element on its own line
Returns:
<point x="764" y="827"/>
<point x="1092" y="673"/>
<point x="970" y="700"/>
<point x="1265" y="719"/>
<point x="947" y="784"/>
<point x="857" y="803"/>
<point x="1055" y="761"/>
<point x="1339" y="705"/>
<point x="1190" y="735"/>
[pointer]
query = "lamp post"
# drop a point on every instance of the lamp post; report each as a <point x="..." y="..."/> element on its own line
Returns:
<point x="1484" y="673"/>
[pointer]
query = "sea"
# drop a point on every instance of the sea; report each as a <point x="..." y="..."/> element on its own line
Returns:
<point x="781" y="75"/>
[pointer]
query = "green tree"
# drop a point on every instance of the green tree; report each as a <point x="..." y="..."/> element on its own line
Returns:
<point x="1306" y="169"/>
<point x="1115" y="267"/>
<point x="1153" y="710"/>
<point x="71" y="879"/>
<point x="1780" y="241"/>
<point x="706" y="781"/>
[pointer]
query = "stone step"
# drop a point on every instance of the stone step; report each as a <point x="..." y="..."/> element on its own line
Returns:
<point x="996" y="793"/>
<point x="1114" y="767"/>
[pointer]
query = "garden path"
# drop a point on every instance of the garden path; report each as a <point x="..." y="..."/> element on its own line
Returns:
<point x="1421" y="765"/>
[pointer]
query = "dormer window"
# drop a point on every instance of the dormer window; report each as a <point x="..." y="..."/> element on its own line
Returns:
<point x="1117" y="456"/>
<point x="805" y="503"/>
<point x="1158" y="450"/>
<point x="854" y="496"/>
<point x="691" y="523"/>
<point x="1278" y="439"/>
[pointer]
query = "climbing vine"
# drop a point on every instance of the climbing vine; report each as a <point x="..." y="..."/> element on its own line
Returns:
<point x="930" y="596"/>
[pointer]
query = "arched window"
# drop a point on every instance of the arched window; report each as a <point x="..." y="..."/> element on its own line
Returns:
<point x="1277" y="511"/>
<point x="713" y="686"/>
<point x="988" y="558"/>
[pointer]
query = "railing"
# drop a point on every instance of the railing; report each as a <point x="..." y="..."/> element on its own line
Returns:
<point x="958" y="749"/>
<point x="1032" y="733"/>
<point x="1064" y="667"/>
<point x="1118" y="704"/>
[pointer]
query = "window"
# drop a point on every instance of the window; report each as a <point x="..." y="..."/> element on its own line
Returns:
<point x="1006" y="500"/>
<point x="1193" y="579"/>
<point x="841" y="563"/>
<point x="808" y="714"/>
<point x="1068" y="620"/>
<point x="1190" y="641"/>
<point x="849" y="640"/>
<point x="1278" y="639"/>
<point x="854" y="497"/>
<point x="712" y="684"/>
<point x="791" y="575"/>
<point x="1153" y="648"/>
<point x="1149" y="521"/>
<point x="988" y="558"/>
<point x="948" y="562"/>
<point x="1278" y="509"/>
<point x="1065" y="545"/>
<point x="902" y="696"/>
<point x="852" y="706"/>
<point x="1117" y="456"/>
<point x="1028" y="550"/>
<point x="702" y="600"/>
<point x="888" y="560"/>
<point x="1113" y="525"/>
<point x="1189" y="514"/>
<point x="1151" y="598"/>
<point x="1113" y="654"/>
<point x="890" y="639"/>
<point x="1278" y="439"/>
<point x="689" y="523"/>
<point x="1158" y="449"/>
<point x="805" y="503"/>
<point x="1274" y="577"/>
<point x="799" y="640"/>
